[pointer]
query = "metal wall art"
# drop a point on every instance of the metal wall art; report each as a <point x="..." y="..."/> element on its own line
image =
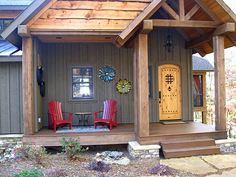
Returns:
<point x="123" y="86"/>
<point x="107" y="73"/>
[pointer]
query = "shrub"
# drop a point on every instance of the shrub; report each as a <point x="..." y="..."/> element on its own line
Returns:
<point x="33" y="152"/>
<point x="99" y="166"/>
<point x="30" y="173"/>
<point x="55" y="173"/>
<point x="71" y="147"/>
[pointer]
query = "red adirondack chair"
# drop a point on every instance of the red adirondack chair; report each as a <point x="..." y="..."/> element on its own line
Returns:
<point x="109" y="114"/>
<point x="56" y="115"/>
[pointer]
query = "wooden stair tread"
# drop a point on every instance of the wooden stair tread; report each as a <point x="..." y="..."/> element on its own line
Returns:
<point x="191" y="149"/>
<point x="184" y="141"/>
<point x="185" y="148"/>
<point x="188" y="143"/>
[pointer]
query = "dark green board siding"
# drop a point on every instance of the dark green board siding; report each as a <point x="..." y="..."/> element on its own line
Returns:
<point x="59" y="58"/>
<point x="158" y="55"/>
<point x="11" y="119"/>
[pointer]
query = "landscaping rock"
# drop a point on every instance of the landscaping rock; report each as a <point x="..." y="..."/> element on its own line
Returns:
<point x="112" y="157"/>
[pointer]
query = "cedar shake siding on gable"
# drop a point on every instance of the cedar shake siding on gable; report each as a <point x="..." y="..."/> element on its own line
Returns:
<point x="59" y="58"/>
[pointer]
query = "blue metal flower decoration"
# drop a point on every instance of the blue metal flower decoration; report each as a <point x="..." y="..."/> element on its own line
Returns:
<point x="106" y="73"/>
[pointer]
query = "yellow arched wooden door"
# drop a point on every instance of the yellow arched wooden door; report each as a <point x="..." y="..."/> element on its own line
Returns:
<point x="169" y="84"/>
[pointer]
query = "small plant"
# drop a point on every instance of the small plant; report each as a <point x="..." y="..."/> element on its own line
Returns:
<point x="163" y="170"/>
<point x="55" y="173"/>
<point x="37" y="153"/>
<point x="30" y="173"/>
<point x="71" y="147"/>
<point x="33" y="152"/>
<point x="99" y="166"/>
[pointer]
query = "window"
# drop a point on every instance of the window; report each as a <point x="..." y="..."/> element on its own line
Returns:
<point x="4" y="23"/>
<point x="198" y="90"/>
<point x="82" y="83"/>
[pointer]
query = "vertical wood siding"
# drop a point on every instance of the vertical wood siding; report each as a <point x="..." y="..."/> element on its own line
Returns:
<point x="59" y="58"/>
<point x="183" y="57"/>
<point x="58" y="62"/>
<point x="11" y="118"/>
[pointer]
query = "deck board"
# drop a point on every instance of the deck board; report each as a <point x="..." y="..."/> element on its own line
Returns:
<point x="125" y="133"/>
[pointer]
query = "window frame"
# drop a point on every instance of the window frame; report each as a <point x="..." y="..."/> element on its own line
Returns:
<point x="71" y="84"/>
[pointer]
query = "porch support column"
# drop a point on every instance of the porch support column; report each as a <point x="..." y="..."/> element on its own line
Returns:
<point x="27" y="77"/>
<point x="141" y="98"/>
<point x="220" y="113"/>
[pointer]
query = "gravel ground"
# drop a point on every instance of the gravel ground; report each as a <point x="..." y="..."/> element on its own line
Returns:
<point x="78" y="168"/>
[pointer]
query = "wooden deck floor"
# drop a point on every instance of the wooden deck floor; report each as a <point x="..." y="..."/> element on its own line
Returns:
<point x="125" y="133"/>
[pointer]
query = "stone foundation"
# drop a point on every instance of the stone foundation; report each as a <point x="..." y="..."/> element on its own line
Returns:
<point x="227" y="145"/>
<point x="143" y="151"/>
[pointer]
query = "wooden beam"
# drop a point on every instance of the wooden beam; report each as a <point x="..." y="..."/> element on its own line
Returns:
<point x="184" y="24"/>
<point x="23" y="31"/>
<point x="147" y="13"/>
<point x="227" y="9"/>
<point x="220" y="108"/>
<point x="141" y="90"/>
<point x="181" y="10"/>
<point x="147" y="26"/>
<point x="199" y="40"/>
<point x="221" y="30"/>
<point x="225" y="28"/>
<point x="208" y="11"/>
<point x="192" y="12"/>
<point x="170" y="11"/>
<point x="27" y="79"/>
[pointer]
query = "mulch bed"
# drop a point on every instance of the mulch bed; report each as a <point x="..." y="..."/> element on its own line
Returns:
<point x="79" y="167"/>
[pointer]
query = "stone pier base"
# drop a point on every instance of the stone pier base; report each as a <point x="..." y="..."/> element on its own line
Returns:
<point x="143" y="151"/>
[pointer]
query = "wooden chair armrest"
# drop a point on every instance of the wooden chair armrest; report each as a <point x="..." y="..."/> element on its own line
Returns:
<point x="70" y="115"/>
<point x="95" y="114"/>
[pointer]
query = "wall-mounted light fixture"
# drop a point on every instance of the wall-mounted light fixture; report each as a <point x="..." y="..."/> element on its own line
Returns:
<point x="169" y="44"/>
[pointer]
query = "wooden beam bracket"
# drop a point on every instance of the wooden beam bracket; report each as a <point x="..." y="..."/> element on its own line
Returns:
<point x="23" y="31"/>
<point x="147" y="26"/>
<point x="225" y="28"/>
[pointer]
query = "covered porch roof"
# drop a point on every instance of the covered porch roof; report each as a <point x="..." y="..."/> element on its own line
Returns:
<point x="117" y="21"/>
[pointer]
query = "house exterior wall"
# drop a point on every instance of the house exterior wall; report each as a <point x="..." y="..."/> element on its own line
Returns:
<point x="180" y="56"/>
<point x="11" y="118"/>
<point x="59" y="58"/>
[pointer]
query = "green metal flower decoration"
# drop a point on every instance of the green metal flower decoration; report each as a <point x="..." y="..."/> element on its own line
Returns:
<point x="123" y="86"/>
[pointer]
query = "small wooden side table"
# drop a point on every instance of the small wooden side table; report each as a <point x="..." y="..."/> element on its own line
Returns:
<point x="83" y="117"/>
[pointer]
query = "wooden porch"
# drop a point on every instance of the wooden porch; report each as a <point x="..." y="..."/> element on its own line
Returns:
<point x="125" y="133"/>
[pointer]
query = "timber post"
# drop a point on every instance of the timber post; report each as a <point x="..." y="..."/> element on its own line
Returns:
<point x="220" y="102"/>
<point x="28" y="92"/>
<point x="141" y="98"/>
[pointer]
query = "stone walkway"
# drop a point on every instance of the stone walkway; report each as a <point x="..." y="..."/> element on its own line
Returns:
<point x="206" y="166"/>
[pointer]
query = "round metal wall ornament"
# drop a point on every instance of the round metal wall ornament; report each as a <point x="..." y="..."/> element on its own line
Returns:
<point x="123" y="86"/>
<point x="107" y="73"/>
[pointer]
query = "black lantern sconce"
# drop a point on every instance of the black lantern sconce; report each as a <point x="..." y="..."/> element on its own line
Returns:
<point x="169" y="44"/>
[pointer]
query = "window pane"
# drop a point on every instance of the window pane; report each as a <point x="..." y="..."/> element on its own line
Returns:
<point x="198" y="90"/>
<point x="82" y="83"/>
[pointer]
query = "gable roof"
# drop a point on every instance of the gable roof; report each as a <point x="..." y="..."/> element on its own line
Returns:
<point x="201" y="64"/>
<point x="10" y="33"/>
<point x="117" y="16"/>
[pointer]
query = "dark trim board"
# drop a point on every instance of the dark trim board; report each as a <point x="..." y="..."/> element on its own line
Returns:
<point x="10" y="59"/>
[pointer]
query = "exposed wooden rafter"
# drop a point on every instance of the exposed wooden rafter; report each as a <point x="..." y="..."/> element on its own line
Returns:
<point x="221" y="30"/>
<point x="181" y="10"/>
<point x="192" y="12"/>
<point x="170" y="11"/>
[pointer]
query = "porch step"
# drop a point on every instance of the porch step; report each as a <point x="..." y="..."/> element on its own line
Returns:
<point x="187" y="143"/>
<point x="185" y="148"/>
